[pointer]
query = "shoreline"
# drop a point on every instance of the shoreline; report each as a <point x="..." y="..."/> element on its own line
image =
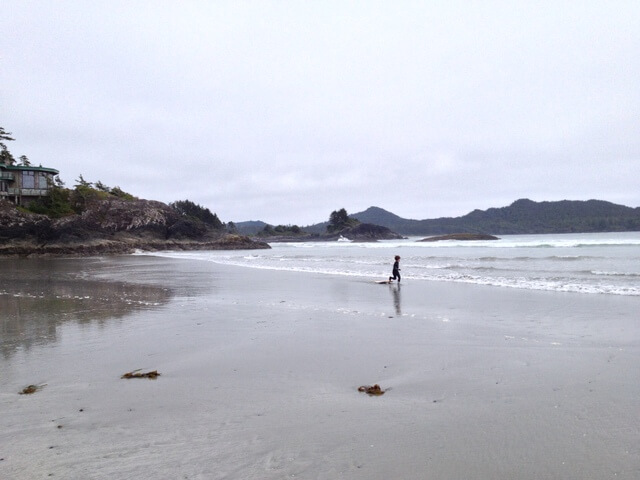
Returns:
<point x="125" y="245"/>
<point x="260" y="370"/>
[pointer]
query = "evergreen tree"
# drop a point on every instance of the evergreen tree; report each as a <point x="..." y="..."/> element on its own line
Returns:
<point x="6" y="136"/>
<point x="81" y="182"/>
<point x="339" y="220"/>
<point x="189" y="209"/>
<point x="101" y="186"/>
<point x="5" y="154"/>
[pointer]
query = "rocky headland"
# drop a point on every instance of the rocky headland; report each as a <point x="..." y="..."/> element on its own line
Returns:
<point x="111" y="226"/>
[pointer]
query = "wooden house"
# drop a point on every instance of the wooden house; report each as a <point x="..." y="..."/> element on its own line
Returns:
<point x="22" y="184"/>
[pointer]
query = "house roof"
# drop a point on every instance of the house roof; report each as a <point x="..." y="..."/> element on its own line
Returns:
<point x="30" y="168"/>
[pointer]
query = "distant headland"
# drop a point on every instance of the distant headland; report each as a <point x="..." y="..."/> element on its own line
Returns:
<point x="93" y="219"/>
<point x="39" y="216"/>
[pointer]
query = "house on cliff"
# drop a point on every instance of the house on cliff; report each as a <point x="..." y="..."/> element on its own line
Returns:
<point x="21" y="184"/>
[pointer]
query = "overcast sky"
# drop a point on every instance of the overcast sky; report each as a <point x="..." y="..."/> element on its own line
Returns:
<point x="284" y="111"/>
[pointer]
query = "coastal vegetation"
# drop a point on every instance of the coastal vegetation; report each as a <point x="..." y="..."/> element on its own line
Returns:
<point x="279" y="230"/>
<point x="62" y="201"/>
<point x="340" y="220"/>
<point x="5" y="155"/>
<point x="193" y="211"/>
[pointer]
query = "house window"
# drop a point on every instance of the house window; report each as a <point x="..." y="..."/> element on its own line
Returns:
<point x="28" y="179"/>
<point x="43" y="181"/>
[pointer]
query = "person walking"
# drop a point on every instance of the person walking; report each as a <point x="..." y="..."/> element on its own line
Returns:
<point x="396" y="269"/>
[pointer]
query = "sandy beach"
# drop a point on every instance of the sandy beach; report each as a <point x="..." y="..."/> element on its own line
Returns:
<point x="260" y="371"/>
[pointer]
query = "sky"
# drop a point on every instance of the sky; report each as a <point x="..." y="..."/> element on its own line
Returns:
<point x="284" y="111"/>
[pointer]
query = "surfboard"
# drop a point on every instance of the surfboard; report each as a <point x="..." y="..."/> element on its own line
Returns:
<point x="383" y="282"/>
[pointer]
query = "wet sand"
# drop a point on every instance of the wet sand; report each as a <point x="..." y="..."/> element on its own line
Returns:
<point x="260" y="371"/>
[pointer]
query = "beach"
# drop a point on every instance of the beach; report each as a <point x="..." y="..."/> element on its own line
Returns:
<point x="260" y="369"/>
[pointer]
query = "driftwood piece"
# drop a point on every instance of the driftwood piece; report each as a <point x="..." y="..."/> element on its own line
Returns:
<point x="28" y="390"/>
<point x="136" y="374"/>
<point x="373" y="390"/>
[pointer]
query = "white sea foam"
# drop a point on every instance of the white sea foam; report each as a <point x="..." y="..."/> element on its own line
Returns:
<point x="612" y="265"/>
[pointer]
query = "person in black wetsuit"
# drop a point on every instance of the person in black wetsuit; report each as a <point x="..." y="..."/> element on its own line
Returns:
<point x="396" y="269"/>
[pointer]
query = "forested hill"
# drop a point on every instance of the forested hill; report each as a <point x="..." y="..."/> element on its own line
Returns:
<point x="521" y="217"/>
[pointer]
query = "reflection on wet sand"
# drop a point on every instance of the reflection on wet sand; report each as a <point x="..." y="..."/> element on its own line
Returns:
<point x="395" y="291"/>
<point x="38" y="297"/>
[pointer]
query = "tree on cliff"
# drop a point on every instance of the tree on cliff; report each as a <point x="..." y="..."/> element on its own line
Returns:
<point x="187" y="208"/>
<point x="5" y="154"/>
<point x="81" y="182"/>
<point x="282" y="230"/>
<point x="339" y="220"/>
<point x="4" y="135"/>
<point x="231" y="227"/>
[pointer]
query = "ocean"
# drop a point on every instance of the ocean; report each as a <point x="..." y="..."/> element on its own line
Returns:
<point x="594" y="263"/>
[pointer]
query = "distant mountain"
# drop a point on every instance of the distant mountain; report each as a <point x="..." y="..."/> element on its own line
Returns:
<point x="379" y="216"/>
<point x="521" y="217"/>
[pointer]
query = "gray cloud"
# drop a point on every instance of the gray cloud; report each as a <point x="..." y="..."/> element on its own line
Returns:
<point x="284" y="111"/>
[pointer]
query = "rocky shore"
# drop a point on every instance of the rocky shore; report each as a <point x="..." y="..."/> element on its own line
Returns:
<point x="111" y="226"/>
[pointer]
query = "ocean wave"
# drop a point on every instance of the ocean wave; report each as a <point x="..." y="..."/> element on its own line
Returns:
<point x="564" y="258"/>
<point x="551" y="285"/>
<point x="605" y="271"/>
<point x="614" y="274"/>
<point x="557" y="284"/>
<point x="505" y="243"/>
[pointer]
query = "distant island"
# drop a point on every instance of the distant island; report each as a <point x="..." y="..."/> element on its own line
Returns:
<point x="521" y="217"/>
<point x="340" y="226"/>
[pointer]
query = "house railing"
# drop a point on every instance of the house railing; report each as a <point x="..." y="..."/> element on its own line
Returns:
<point x="28" y="192"/>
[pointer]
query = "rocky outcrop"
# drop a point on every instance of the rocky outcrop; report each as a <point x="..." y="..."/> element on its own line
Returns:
<point x="460" y="236"/>
<point x="363" y="232"/>
<point x="15" y="224"/>
<point x="111" y="225"/>
<point x="368" y="232"/>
